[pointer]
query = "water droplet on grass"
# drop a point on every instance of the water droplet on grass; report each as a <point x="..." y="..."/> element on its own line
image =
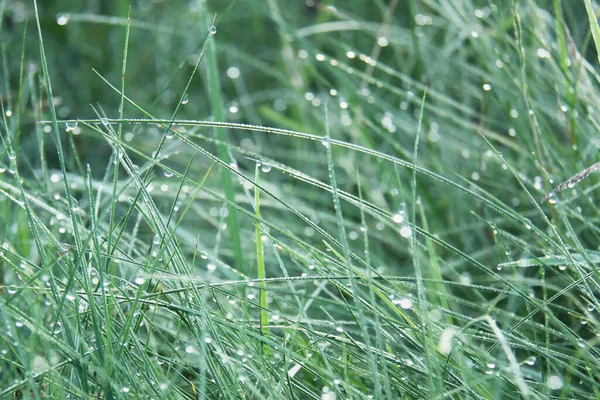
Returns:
<point x="213" y="30"/>
<point x="382" y="41"/>
<point x="530" y="361"/>
<point x="405" y="303"/>
<point x="233" y="72"/>
<point x="185" y="99"/>
<point x="398" y="217"/>
<point x="266" y="168"/>
<point x="406" y="231"/>
<point x="62" y="19"/>
<point x="56" y="328"/>
<point x="71" y="125"/>
<point x="190" y="350"/>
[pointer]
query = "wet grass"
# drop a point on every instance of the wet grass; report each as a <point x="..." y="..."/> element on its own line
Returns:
<point x="287" y="200"/>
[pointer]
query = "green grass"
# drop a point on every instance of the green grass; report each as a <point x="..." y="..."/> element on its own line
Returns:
<point x="270" y="200"/>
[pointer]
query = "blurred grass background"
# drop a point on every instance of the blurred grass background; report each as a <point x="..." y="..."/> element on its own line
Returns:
<point x="363" y="220"/>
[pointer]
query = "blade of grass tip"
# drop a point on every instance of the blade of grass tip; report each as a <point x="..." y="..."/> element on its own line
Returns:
<point x="123" y="71"/>
<point x="216" y="102"/>
<point x="113" y="203"/>
<point x="593" y="25"/>
<point x="430" y="358"/>
<point x="560" y="34"/>
<point x="362" y="321"/>
<point x="21" y="80"/>
<point x="260" y="261"/>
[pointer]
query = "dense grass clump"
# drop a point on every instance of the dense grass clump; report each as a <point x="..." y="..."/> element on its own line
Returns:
<point x="300" y="200"/>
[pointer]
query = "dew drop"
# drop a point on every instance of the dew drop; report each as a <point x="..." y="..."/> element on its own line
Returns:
<point x="62" y="19"/>
<point x="266" y="168"/>
<point x="325" y="142"/>
<point x="12" y="289"/>
<point x="56" y="327"/>
<point x="185" y="99"/>
<point x="168" y="173"/>
<point x="543" y="53"/>
<point x="398" y="217"/>
<point x="213" y="30"/>
<point x="12" y="155"/>
<point x="71" y="125"/>
<point x="530" y="361"/>
<point x="405" y="231"/>
<point x="190" y="350"/>
<point x="233" y="72"/>
<point x="405" y="303"/>
<point x="156" y="239"/>
<point x="591" y="307"/>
